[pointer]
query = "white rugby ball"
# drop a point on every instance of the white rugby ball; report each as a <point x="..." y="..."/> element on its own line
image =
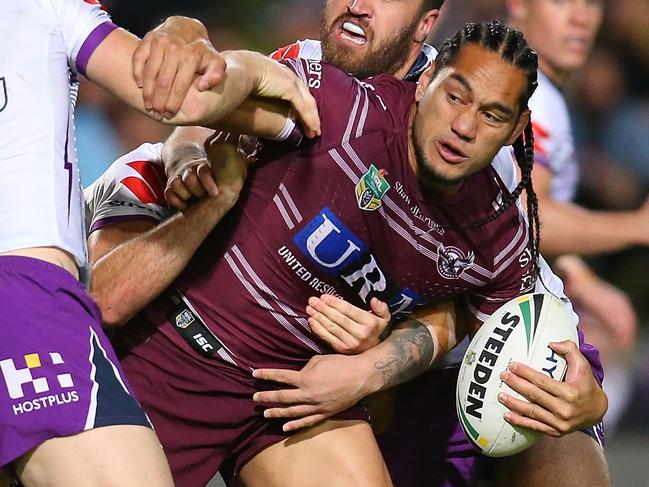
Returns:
<point x="519" y="331"/>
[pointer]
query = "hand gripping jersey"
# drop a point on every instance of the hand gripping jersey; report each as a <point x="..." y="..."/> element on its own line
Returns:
<point x="553" y="140"/>
<point x="346" y="215"/>
<point x="45" y="45"/>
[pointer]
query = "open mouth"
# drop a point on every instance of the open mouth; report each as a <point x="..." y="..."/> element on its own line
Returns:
<point x="450" y="153"/>
<point x="577" y="43"/>
<point x="353" y="33"/>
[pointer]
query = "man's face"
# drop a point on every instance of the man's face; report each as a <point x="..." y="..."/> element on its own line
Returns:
<point x="466" y="114"/>
<point x="561" y="31"/>
<point x="369" y="37"/>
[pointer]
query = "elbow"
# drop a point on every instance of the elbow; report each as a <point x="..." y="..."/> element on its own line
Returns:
<point x="111" y="315"/>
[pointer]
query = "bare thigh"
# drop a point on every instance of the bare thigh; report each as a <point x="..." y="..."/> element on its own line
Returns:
<point x="111" y="456"/>
<point x="575" y="460"/>
<point x="336" y="452"/>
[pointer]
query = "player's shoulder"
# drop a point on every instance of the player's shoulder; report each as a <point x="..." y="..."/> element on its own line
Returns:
<point x="141" y="172"/>
<point x="140" y="162"/>
<point x="304" y="49"/>
<point x="504" y="167"/>
<point x="549" y="108"/>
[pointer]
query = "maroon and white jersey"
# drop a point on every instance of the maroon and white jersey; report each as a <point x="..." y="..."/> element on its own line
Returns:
<point x="312" y="49"/>
<point x="346" y="215"/>
<point x="132" y="188"/>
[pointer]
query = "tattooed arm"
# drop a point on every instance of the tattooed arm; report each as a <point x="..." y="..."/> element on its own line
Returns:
<point x="411" y="348"/>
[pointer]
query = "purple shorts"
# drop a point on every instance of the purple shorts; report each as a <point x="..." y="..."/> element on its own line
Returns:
<point x="425" y="445"/>
<point x="58" y="373"/>
<point x="202" y="408"/>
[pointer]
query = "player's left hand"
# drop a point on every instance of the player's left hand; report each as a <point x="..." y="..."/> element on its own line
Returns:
<point x="220" y="174"/>
<point x="555" y="408"/>
<point x="169" y="58"/>
<point x="313" y="396"/>
<point x="345" y="327"/>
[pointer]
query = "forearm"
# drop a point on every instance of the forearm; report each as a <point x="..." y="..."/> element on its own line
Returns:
<point x="153" y="260"/>
<point x="407" y="352"/>
<point x="568" y="228"/>
<point x="110" y="66"/>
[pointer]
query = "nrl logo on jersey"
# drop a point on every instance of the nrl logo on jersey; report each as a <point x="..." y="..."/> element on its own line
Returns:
<point x="452" y="262"/>
<point x="3" y="94"/>
<point x="371" y="188"/>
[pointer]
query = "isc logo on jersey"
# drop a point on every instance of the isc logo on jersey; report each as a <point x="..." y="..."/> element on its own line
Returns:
<point x="21" y="381"/>
<point x="519" y="331"/>
<point x="337" y="251"/>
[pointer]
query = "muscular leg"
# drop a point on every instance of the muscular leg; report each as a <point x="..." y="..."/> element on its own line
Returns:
<point x="111" y="456"/>
<point x="576" y="460"/>
<point x="336" y="452"/>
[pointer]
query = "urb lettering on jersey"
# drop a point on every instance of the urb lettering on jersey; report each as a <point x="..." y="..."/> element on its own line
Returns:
<point x="337" y="251"/>
<point x="486" y="361"/>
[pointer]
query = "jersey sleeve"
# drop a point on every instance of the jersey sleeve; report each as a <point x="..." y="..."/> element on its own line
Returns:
<point x="84" y="25"/>
<point x="348" y="107"/>
<point x="305" y="49"/>
<point x="132" y="189"/>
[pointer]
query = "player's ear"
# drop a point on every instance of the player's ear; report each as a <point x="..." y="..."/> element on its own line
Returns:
<point x="424" y="80"/>
<point x="522" y="122"/>
<point x="426" y="25"/>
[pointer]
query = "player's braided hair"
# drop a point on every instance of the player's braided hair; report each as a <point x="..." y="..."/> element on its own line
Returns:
<point x="513" y="48"/>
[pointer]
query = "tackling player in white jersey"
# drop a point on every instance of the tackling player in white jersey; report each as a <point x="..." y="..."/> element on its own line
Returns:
<point x="67" y="416"/>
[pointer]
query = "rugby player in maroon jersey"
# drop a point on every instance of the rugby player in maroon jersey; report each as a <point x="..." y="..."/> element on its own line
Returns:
<point x="358" y="129"/>
<point x="360" y="6"/>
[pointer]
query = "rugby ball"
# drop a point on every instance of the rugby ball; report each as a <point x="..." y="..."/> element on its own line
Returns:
<point x="519" y="331"/>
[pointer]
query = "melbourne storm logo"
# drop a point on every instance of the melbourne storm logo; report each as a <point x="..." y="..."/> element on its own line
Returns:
<point x="452" y="262"/>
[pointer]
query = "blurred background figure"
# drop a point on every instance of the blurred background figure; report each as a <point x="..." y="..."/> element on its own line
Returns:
<point x="609" y="103"/>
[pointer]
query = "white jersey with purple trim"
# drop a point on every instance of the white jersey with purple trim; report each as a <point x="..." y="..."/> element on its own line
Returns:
<point x="45" y="45"/>
<point x="132" y="188"/>
<point x="553" y="141"/>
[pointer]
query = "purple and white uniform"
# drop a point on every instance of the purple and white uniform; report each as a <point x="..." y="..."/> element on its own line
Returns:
<point x="58" y="375"/>
<point x="554" y="146"/>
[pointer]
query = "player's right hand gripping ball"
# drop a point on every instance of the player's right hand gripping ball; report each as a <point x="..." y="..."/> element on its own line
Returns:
<point x="519" y="331"/>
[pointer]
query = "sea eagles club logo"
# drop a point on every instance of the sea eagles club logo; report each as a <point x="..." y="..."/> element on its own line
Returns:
<point x="371" y="188"/>
<point x="451" y="261"/>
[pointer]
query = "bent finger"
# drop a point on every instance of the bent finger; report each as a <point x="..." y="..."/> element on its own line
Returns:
<point x="283" y="376"/>
<point x="206" y="178"/>
<point x="138" y="61"/>
<point x="304" y="422"/>
<point x="524" y="422"/>
<point x="297" y="411"/>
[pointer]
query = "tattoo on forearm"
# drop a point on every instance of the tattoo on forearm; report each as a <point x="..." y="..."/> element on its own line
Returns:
<point x="411" y="354"/>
